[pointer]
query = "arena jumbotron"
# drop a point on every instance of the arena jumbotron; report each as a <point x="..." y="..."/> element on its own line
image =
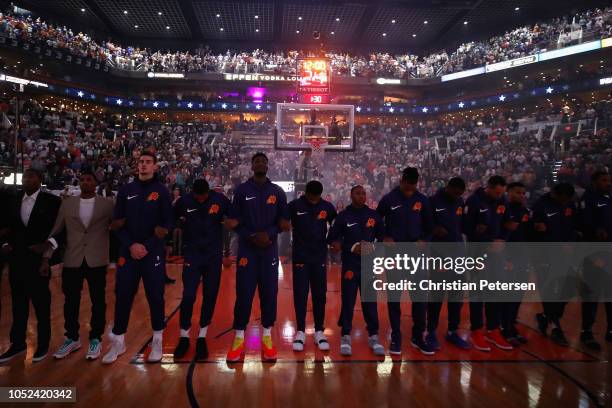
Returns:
<point x="215" y="150"/>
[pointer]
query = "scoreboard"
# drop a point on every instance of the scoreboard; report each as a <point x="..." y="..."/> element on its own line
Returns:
<point x="314" y="80"/>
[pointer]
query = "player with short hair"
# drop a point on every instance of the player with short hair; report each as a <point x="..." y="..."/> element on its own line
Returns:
<point x="596" y="210"/>
<point x="258" y="214"/>
<point x="485" y="213"/>
<point x="518" y="226"/>
<point x="447" y="206"/>
<point x="406" y="213"/>
<point x="310" y="216"/>
<point x="144" y="214"/>
<point x="555" y="220"/>
<point x="200" y="215"/>
<point x="353" y="227"/>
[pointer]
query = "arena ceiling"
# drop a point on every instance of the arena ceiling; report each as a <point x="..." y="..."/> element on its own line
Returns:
<point x="387" y="24"/>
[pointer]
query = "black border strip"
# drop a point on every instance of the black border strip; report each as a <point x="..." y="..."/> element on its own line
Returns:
<point x="189" y="384"/>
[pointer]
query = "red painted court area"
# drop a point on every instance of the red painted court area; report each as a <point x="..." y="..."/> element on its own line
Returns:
<point x="539" y="374"/>
<point x="220" y="334"/>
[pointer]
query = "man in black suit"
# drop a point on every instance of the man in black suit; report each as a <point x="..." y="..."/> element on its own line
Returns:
<point x="30" y="220"/>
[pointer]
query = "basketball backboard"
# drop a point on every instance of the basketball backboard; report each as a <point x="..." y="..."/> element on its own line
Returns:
<point x="313" y="127"/>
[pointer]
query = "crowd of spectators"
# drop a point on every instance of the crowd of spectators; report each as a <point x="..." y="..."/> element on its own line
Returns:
<point x="519" y="42"/>
<point x="474" y="147"/>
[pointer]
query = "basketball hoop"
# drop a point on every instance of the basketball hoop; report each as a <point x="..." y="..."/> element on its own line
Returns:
<point x="317" y="144"/>
<point x="317" y="148"/>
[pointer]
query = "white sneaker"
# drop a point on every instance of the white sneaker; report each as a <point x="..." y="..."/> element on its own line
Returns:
<point x="68" y="347"/>
<point x="95" y="349"/>
<point x="345" y="345"/>
<point x="156" y="353"/>
<point x="117" y="349"/>
<point x="375" y="345"/>
<point x="321" y="341"/>
<point x="298" y="342"/>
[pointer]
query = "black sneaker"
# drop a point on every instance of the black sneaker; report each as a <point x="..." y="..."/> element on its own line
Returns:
<point x="420" y="344"/>
<point x="609" y="335"/>
<point x="586" y="338"/>
<point x="182" y="347"/>
<point x="169" y="281"/>
<point x="511" y="338"/>
<point x="201" y="349"/>
<point x="40" y="354"/>
<point x="395" y="347"/>
<point x="521" y="339"/>
<point x="542" y="323"/>
<point x="558" y="337"/>
<point x="12" y="352"/>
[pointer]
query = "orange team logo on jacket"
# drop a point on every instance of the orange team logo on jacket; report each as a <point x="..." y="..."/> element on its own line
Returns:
<point x="214" y="209"/>
<point x="322" y="215"/>
<point x="348" y="275"/>
<point x="568" y="212"/>
<point x="525" y="218"/>
<point x="371" y="222"/>
<point x="501" y="209"/>
<point x="271" y="200"/>
<point x="153" y="196"/>
<point x="459" y="211"/>
<point x="417" y="206"/>
<point x="243" y="262"/>
<point x="121" y="261"/>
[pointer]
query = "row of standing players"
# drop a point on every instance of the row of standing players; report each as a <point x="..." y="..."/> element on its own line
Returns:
<point x="143" y="215"/>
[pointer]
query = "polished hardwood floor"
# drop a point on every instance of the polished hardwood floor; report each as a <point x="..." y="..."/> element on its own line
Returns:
<point x="539" y="374"/>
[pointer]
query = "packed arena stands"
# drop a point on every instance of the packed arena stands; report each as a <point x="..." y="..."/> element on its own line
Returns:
<point x="520" y="146"/>
<point x="175" y="166"/>
<point x="520" y="42"/>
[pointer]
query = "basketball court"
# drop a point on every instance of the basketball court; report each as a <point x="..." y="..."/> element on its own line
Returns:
<point x="351" y="95"/>
<point x="537" y="374"/>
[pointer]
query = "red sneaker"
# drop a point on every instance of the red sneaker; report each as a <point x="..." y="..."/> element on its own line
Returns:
<point x="269" y="351"/>
<point x="478" y="340"/>
<point x="495" y="337"/>
<point x="236" y="352"/>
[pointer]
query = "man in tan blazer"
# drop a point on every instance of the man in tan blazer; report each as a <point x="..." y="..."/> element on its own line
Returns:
<point x="83" y="226"/>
